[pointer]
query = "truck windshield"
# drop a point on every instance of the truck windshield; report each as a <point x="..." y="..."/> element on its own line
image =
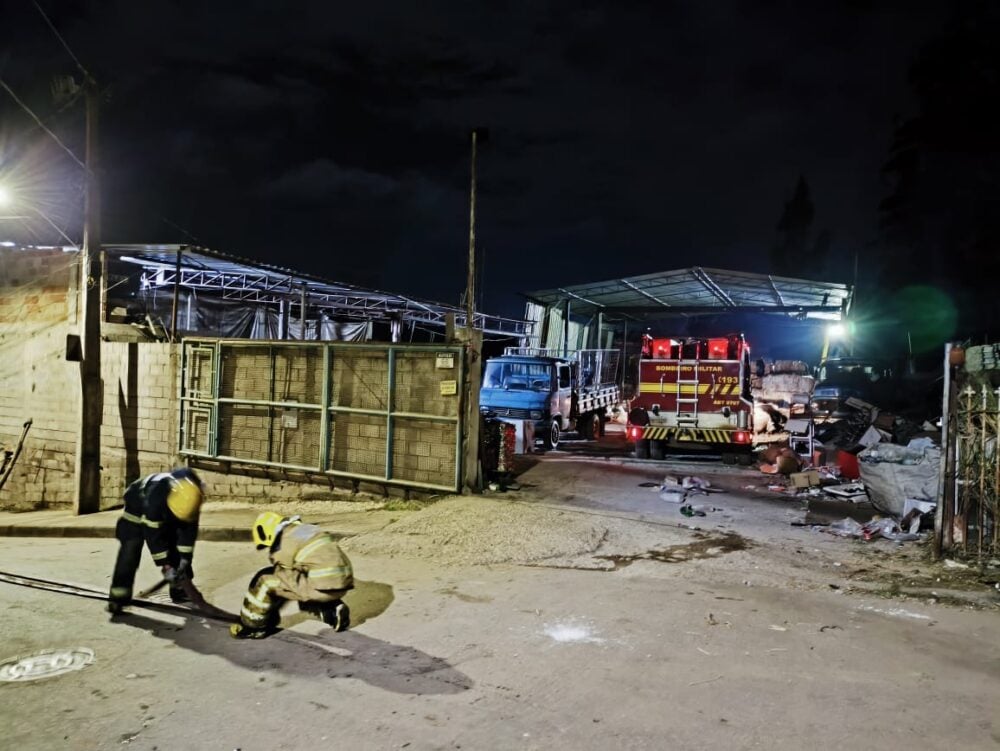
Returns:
<point x="849" y="372"/>
<point x="526" y="376"/>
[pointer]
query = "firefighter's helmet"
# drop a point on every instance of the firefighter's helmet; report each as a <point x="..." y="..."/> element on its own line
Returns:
<point x="185" y="496"/>
<point x="268" y="525"/>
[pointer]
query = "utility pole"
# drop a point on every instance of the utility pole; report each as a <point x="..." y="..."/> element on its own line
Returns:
<point x="472" y="479"/>
<point x="88" y="450"/>
<point x="470" y="284"/>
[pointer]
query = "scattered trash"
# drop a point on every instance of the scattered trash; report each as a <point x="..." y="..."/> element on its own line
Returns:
<point x="850" y="491"/>
<point x="886" y="528"/>
<point x="689" y="511"/>
<point x="806" y="479"/>
<point x="846" y="527"/>
<point x="949" y="563"/>
<point x="699" y="484"/>
<point x="777" y="628"/>
<point x="674" y="494"/>
<point x="677" y="489"/>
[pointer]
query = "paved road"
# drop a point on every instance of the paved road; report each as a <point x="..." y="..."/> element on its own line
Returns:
<point x="651" y="656"/>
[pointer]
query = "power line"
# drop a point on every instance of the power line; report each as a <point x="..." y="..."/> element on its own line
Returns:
<point x="62" y="41"/>
<point x="42" y="125"/>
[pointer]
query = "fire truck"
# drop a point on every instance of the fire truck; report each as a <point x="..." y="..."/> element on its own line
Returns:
<point x="693" y="393"/>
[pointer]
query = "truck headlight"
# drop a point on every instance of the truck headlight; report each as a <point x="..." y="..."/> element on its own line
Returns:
<point x="535" y="414"/>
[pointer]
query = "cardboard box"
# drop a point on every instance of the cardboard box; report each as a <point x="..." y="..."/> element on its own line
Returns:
<point x="809" y="479"/>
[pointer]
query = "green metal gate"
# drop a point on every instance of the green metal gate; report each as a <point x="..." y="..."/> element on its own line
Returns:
<point x="387" y="413"/>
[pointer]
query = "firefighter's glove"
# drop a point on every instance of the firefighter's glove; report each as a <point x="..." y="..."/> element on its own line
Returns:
<point x="178" y="575"/>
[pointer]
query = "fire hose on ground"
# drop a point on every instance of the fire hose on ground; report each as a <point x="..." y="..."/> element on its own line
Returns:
<point x="200" y="607"/>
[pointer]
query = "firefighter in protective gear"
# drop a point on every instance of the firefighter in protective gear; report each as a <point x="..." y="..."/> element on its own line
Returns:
<point x="161" y="511"/>
<point x="308" y="566"/>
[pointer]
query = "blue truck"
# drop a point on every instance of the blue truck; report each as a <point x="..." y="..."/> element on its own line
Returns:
<point x="557" y="392"/>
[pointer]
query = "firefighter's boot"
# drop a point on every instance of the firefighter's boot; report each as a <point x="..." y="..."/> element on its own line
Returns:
<point x="240" y="631"/>
<point x="335" y="614"/>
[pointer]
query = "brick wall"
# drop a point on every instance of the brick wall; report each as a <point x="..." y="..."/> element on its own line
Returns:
<point x="38" y="308"/>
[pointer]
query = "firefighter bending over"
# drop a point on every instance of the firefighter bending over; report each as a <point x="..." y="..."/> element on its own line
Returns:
<point x="308" y="566"/>
<point x="161" y="510"/>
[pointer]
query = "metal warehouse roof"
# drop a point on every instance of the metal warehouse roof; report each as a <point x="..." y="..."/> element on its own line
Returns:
<point x="701" y="291"/>
<point x="241" y="279"/>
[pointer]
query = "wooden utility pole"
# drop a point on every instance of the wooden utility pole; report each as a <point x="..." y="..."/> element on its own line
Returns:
<point x="472" y="480"/>
<point x="88" y="450"/>
<point x="470" y="284"/>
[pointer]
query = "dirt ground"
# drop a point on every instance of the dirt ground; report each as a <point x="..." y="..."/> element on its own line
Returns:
<point x="580" y="611"/>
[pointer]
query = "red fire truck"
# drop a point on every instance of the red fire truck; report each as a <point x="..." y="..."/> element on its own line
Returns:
<point x="693" y="393"/>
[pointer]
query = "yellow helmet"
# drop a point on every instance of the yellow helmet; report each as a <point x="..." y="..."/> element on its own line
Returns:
<point x="184" y="499"/>
<point x="268" y="525"/>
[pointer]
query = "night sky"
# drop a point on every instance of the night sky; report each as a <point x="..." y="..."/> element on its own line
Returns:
<point x="625" y="137"/>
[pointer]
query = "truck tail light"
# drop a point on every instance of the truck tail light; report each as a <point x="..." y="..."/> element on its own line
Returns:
<point x="634" y="432"/>
<point x="741" y="436"/>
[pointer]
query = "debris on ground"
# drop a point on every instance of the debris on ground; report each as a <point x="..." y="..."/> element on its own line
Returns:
<point x="888" y="529"/>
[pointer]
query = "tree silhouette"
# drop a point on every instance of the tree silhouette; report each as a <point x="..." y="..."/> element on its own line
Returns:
<point x="941" y="218"/>
<point x="792" y="244"/>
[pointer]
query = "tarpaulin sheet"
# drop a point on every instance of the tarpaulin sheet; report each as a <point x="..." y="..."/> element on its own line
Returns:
<point x="899" y="473"/>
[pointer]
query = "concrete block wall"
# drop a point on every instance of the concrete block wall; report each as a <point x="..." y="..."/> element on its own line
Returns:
<point x="141" y="410"/>
<point x="38" y="309"/>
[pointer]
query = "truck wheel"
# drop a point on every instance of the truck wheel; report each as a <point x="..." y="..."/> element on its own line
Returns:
<point x="656" y="450"/>
<point x="744" y="458"/>
<point x="590" y="426"/>
<point x="728" y="457"/>
<point x="552" y="437"/>
<point x="642" y="448"/>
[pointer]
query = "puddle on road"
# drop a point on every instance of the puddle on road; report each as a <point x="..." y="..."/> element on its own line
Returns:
<point x="707" y="546"/>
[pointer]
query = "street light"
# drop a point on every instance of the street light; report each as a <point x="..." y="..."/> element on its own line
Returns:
<point x="7" y="199"/>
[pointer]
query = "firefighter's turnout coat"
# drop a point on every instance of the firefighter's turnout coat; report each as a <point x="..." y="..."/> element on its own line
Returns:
<point x="147" y="519"/>
<point x="309" y="567"/>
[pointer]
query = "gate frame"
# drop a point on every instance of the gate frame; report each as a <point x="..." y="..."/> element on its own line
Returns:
<point x="187" y="405"/>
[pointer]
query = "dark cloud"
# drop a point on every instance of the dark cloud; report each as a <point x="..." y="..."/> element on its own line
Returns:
<point x="626" y="137"/>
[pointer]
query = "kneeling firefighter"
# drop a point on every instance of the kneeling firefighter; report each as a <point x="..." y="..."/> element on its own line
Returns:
<point x="308" y="566"/>
<point x="161" y="510"/>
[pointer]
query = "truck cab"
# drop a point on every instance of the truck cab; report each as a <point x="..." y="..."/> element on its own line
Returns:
<point x="530" y="388"/>
<point x="839" y="379"/>
<point x="556" y="394"/>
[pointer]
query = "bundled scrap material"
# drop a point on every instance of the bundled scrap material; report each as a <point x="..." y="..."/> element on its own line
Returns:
<point x="893" y="474"/>
<point x="783" y="391"/>
<point x="985" y="357"/>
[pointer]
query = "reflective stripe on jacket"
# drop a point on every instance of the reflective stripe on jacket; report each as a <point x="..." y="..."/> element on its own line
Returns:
<point x="307" y="548"/>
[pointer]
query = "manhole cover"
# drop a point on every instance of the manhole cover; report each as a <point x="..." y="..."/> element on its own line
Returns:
<point x="46" y="664"/>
